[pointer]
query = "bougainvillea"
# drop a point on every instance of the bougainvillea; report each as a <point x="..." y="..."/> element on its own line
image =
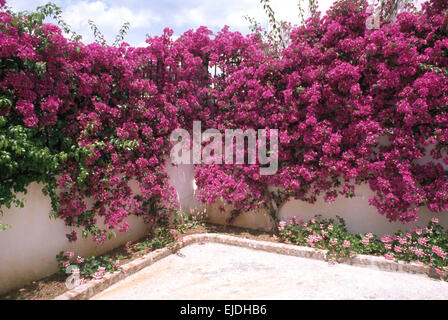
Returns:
<point x="94" y="109"/>
<point x="352" y="105"/>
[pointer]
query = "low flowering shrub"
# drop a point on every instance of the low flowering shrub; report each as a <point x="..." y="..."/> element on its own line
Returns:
<point x="88" y="267"/>
<point x="80" y="269"/>
<point x="422" y="245"/>
<point x="160" y="238"/>
<point x="330" y="235"/>
<point x="184" y="222"/>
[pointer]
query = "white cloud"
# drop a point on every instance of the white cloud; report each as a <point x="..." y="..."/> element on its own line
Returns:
<point x="233" y="13"/>
<point x="28" y="5"/>
<point x="109" y="19"/>
<point x="142" y="44"/>
<point x="151" y="16"/>
<point x="288" y="9"/>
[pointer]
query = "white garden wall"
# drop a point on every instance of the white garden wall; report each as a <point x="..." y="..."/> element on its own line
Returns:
<point x="357" y="213"/>
<point x="359" y="216"/>
<point x="28" y="249"/>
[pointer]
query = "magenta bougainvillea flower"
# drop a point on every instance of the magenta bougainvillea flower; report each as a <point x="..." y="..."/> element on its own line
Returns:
<point x="352" y="105"/>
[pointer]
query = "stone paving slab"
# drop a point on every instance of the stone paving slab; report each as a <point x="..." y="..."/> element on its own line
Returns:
<point x="220" y="271"/>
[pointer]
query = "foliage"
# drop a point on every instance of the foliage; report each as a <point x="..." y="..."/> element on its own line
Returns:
<point x="160" y="239"/>
<point x="89" y="267"/>
<point x="73" y="119"/>
<point x="331" y="235"/>
<point x="423" y="245"/>
<point x="99" y="36"/>
<point x="352" y="105"/>
<point x="95" y="267"/>
<point x="186" y="222"/>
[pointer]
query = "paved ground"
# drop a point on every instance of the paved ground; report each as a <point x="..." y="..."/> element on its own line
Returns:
<point x="217" y="271"/>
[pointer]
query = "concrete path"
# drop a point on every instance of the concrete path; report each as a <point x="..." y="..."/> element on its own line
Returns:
<point x="217" y="271"/>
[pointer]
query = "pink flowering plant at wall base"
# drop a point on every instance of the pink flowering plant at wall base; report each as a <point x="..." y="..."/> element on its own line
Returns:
<point x="351" y="104"/>
<point x="84" y="268"/>
<point x="427" y="246"/>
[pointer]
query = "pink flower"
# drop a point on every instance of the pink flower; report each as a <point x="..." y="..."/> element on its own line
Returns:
<point x="389" y="256"/>
<point x="298" y="220"/>
<point x="281" y="225"/>
<point x="438" y="251"/>
<point x="398" y="249"/>
<point x="80" y="259"/>
<point x="440" y="272"/>
<point x="73" y="90"/>
<point x="419" y="252"/>
<point x="65" y="264"/>
<point x="333" y="241"/>
<point x="31" y="121"/>
<point x="435" y="220"/>
<point x="98" y="276"/>
<point x="422" y="241"/>
<point x="346" y="244"/>
<point x="72" y="237"/>
<point x="69" y="254"/>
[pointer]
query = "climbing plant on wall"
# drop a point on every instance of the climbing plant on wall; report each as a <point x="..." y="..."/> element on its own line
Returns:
<point x="87" y="119"/>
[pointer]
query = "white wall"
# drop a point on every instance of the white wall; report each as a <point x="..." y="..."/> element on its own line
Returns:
<point x="359" y="216"/>
<point x="181" y="177"/>
<point x="357" y="213"/>
<point x="28" y="249"/>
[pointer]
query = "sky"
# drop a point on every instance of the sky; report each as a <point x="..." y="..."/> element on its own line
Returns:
<point x="152" y="16"/>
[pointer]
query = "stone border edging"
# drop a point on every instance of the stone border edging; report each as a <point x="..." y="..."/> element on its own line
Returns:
<point x="93" y="287"/>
